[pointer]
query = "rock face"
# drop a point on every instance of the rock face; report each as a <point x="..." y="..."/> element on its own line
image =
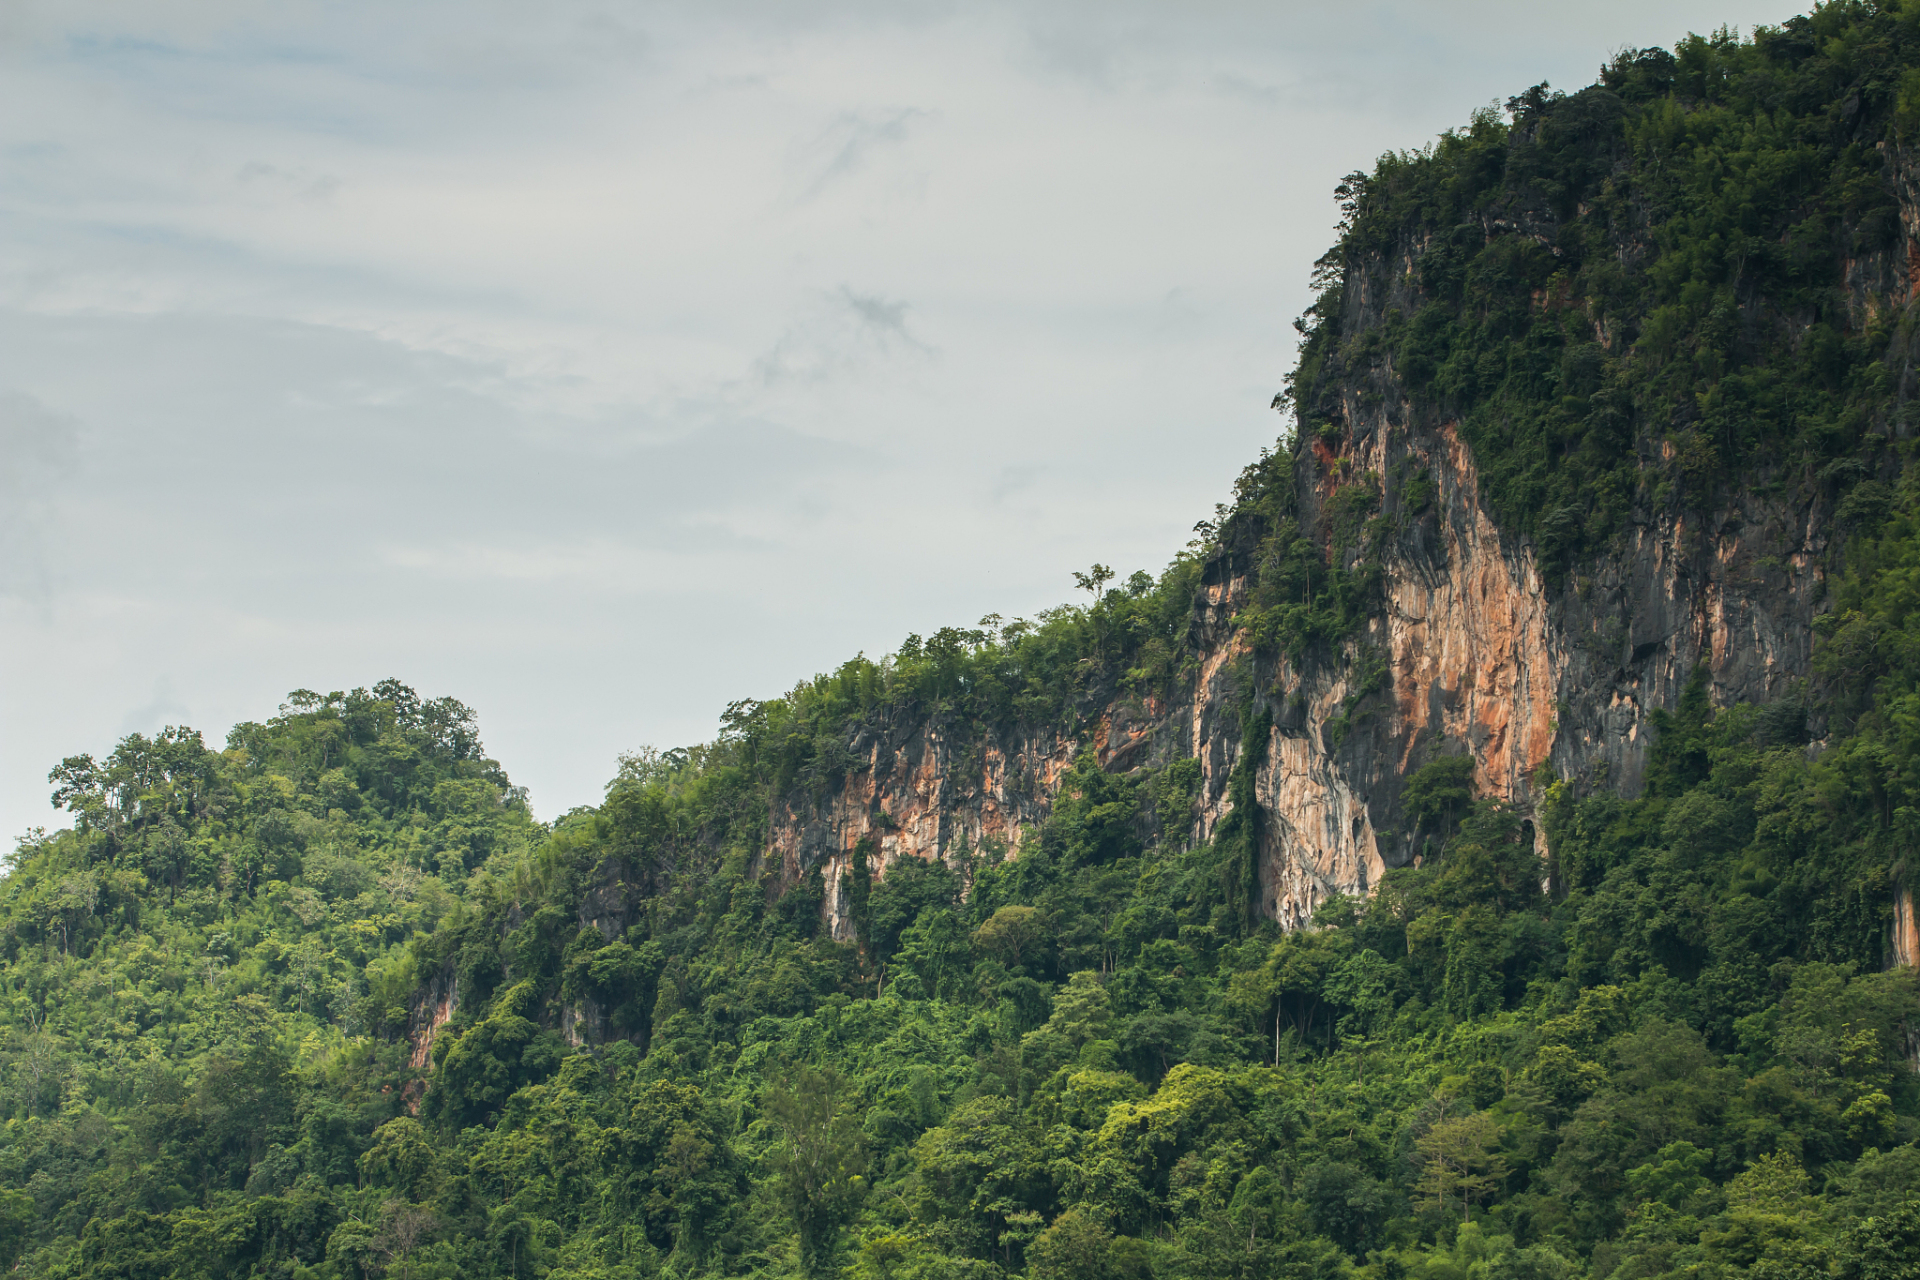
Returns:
<point x="1484" y="658"/>
<point x="431" y="1009"/>
<point x="1906" y="934"/>
<point x="1536" y="681"/>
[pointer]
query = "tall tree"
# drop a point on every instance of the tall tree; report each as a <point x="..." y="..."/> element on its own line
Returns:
<point x="1460" y="1161"/>
<point x="821" y="1159"/>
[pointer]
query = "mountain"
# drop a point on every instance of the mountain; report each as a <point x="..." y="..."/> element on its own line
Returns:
<point x="1483" y="854"/>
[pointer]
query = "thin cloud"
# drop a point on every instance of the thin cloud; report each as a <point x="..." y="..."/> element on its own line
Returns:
<point x="607" y="36"/>
<point x="886" y="321"/>
<point x="39" y="453"/>
<point x="38" y="445"/>
<point x="294" y="184"/>
<point x="842" y="335"/>
<point x="845" y="147"/>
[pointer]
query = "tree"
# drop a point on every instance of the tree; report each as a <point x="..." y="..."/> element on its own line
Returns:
<point x="1010" y="934"/>
<point x="1093" y="580"/>
<point x="403" y="1229"/>
<point x="820" y="1162"/>
<point x="1884" y="1248"/>
<point x="72" y="902"/>
<point x="39" y="1068"/>
<point x="1672" y="1176"/>
<point x="1459" y="1159"/>
<point x="400" y="1157"/>
<point x="976" y="1172"/>
<point x="1289" y="983"/>
<point x="1438" y="793"/>
<point x="1075" y="1247"/>
<point x="1343" y="1203"/>
<point x="693" y="1166"/>
<point x="18" y="1218"/>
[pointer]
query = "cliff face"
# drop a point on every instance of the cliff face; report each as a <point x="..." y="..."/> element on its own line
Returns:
<point x="1555" y="468"/>
<point x="1489" y="659"/>
<point x="1469" y="647"/>
<point x="1485" y="659"/>
<point x="1535" y="680"/>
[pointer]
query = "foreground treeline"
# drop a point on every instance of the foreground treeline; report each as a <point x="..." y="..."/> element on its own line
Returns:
<point x="1677" y="1050"/>
<point x="1084" y="1062"/>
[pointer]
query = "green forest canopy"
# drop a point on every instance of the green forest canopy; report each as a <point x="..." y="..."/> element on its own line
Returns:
<point x="1090" y="1062"/>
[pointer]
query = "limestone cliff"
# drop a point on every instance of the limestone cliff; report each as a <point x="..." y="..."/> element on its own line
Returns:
<point x="1537" y="680"/>
<point x="1484" y="658"/>
<point x="1577" y="428"/>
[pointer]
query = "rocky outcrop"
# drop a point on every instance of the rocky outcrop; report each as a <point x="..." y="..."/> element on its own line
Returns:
<point x="432" y="1007"/>
<point x="1735" y="590"/>
<point x="1484" y="657"/>
<point x="917" y="792"/>
<point x="1905" y="949"/>
<point x="1538" y="681"/>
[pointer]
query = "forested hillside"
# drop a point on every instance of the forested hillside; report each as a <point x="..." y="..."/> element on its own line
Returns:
<point x="328" y="1001"/>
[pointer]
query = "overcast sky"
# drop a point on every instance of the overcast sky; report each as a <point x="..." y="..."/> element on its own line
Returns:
<point x="600" y="364"/>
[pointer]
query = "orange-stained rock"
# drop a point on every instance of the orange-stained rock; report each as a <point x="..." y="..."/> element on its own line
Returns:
<point x="1483" y="657"/>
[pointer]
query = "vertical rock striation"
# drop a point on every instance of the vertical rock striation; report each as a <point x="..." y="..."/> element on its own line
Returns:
<point x="1535" y="680"/>
<point x="1484" y="658"/>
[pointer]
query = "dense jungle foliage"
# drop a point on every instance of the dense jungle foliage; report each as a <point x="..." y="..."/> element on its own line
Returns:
<point x="1681" y="1054"/>
<point x="1659" y="285"/>
<point x="1084" y="1062"/>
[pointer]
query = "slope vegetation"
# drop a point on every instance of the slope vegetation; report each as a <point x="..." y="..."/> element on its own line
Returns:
<point x="328" y="1002"/>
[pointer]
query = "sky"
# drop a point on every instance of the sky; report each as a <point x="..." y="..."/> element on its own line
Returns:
<point x="599" y="365"/>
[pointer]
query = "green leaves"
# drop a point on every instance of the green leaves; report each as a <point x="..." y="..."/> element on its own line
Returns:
<point x="1011" y="934"/>
<point x="478" y="1069"/>
<point x="1437" y="794"/>
<point x="401" y="1156"/>
<point x="1460" y="1163"/>
<point x="328" y="1003"/>
<point x="1654" y="258"/>
<point x="820" y="1162"/>
<point x="1883" y="1248"/>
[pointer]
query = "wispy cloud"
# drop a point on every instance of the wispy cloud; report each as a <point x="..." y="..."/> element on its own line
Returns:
<point x="39" y="453"/>
<point x="294" y="184"/>
<point x="841" y="334"/>
<point x="847" y="145"/>
<point x="885" y="320"/>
